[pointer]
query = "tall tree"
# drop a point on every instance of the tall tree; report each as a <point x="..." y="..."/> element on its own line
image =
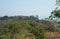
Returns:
<point x="56" y="14"/>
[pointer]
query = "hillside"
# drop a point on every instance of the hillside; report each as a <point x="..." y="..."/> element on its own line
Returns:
<point x="24" y="27"/>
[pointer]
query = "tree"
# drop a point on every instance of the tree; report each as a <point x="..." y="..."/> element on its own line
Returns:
<point x="58" y="2"/>
<point x="14" y="28"/>
<point x="4" y="17"/>
<point x="39" y="33"/>
<point x="55" y="14"/>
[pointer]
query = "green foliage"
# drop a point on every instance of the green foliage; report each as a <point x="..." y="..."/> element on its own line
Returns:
<point x="39" y="33"/>
<point x="19" y="29"/>
<point x="14" y="27"/>
<point x="58" y="25"/>
<point x="58" y="2"/>
<point x="56" y="13"/>
<point x="4" y="18"/>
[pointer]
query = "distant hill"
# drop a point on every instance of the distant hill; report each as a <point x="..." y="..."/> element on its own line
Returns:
<point x="21" y="27"/>
<point x="46" y="24"/>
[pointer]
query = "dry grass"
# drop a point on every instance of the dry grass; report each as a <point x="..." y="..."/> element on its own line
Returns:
<point x="52" y="35"/>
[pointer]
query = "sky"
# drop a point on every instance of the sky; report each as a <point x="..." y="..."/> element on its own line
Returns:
<point x="42" y="8"/>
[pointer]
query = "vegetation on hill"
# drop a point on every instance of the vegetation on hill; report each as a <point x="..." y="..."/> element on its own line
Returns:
<point x="20" y="27"/>
<point x="31" y="27"/>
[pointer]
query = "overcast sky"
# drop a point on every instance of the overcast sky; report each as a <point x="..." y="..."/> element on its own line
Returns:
<point x="42" y="8"/>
